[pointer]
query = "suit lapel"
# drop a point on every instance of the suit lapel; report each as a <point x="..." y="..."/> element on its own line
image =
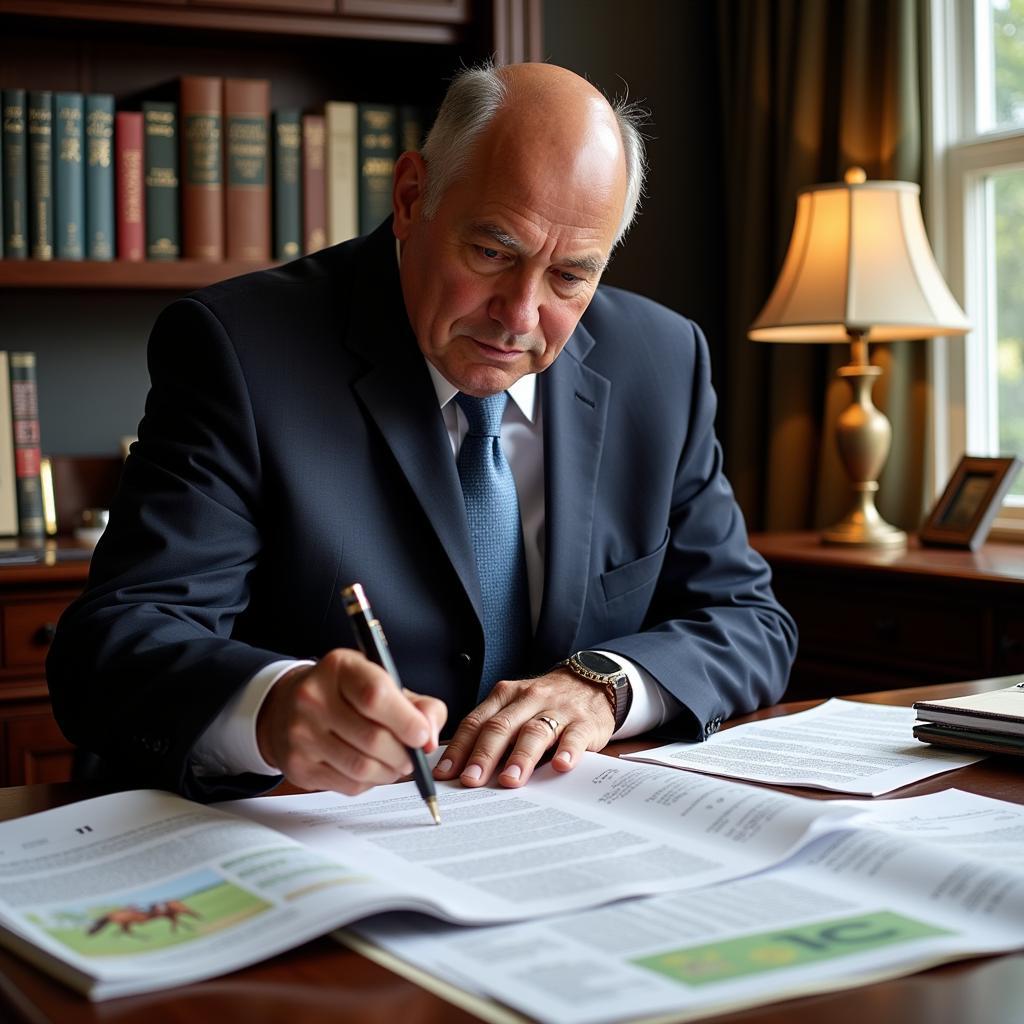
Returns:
<point x="397" y="394"/>
<point x="574" y="406"/>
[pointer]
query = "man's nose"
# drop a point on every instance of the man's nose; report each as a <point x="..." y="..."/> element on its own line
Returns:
<point x="516" y="306"/>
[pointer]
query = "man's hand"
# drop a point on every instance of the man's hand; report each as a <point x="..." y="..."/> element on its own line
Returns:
<point x="342" y="724"/>
<point x="512" y="718"/>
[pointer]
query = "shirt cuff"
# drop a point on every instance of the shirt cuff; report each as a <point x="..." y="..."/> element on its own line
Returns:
<point x="228" y="746"/>
<point x="652" y="703"/>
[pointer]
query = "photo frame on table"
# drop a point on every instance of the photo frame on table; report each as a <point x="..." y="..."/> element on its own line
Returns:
<point x="963" y="515"/>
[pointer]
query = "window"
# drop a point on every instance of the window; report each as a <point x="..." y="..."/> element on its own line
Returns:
<point x="976" y="214"/>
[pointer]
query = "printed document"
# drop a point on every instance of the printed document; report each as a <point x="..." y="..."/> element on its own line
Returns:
<point x="840" y="745"/>
<point x="905" y="885"/>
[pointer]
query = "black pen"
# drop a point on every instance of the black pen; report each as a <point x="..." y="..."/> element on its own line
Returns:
<point x="374" y="645"/>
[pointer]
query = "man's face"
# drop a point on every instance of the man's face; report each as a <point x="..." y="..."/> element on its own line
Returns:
<point x="496" y="281"/>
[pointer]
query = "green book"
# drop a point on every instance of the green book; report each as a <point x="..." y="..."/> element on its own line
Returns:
<point x="410" y="128"/>
<point x="287" y="184"/>
<point x="377" y="150"/>
<point x="39" y="120"/>
<point x="99" y="177"/>
<point x="69" y="175"/>
<point x="15" y="175"/>
<point x="160" y="158"/>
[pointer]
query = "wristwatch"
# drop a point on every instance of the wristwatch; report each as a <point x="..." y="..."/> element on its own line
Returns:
<point x="602" y="671"/>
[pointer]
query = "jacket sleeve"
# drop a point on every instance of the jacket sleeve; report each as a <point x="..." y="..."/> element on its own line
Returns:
<point x="144" y="659"/>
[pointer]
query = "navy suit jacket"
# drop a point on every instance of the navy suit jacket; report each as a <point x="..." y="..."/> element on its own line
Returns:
<point x="292" y="444"/>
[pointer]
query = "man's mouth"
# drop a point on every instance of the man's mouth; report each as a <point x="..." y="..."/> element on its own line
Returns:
<point x="498" y="354"/>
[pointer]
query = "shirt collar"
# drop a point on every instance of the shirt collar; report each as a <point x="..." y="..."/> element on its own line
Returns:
<point x="523" y="392"/>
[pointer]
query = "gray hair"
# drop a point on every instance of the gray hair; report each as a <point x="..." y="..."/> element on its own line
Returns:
<point x="473" y="99"/>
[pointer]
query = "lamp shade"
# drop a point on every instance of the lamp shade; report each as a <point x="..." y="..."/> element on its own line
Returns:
<point x="858" y="260"/>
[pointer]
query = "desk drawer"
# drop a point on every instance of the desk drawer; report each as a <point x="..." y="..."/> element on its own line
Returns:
<point x="895" y="628"/>
<point x="27" y="631"/>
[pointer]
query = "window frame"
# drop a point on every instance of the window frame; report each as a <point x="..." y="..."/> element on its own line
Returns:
<point x="958" y="212"/>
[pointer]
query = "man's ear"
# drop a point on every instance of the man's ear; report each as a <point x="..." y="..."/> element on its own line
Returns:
<point x="410" y="181"/>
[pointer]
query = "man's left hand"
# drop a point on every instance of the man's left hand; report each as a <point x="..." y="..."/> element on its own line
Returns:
<point x="516" y="718"/>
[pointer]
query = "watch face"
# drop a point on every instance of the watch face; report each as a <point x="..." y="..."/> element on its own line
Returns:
<point x="598" y="663"/>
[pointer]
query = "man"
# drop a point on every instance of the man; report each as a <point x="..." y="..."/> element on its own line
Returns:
<point x="338" y="420"/>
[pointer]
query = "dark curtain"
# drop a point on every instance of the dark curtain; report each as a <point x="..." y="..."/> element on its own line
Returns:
<point x="809" y="88"/>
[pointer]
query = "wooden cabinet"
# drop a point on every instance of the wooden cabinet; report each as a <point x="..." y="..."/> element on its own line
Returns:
<point x="32" y="598"/>
<point x="872" y="620"/>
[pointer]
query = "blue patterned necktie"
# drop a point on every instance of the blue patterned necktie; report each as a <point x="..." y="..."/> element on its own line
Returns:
<point x="492" y="510"/>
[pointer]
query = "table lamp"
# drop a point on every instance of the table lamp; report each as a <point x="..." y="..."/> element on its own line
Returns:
<point x="859" y="269"/>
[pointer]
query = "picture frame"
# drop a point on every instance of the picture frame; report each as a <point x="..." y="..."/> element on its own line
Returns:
<point x="963" y="515"/>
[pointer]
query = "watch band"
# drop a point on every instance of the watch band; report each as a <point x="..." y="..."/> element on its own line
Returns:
<point x="616" y="683"/>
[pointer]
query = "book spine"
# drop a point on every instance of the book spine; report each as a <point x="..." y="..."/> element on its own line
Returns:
<point x="99" y="176"/>
<point x="160" y="128"/>
<point x="40" y="174"/>
<point x="15" y="174"/>
<point x="410" y="128"/>
<point x="314" y="194"/>
<point x="69" y="175"/>
<point x="25" y="425"/>
<point x="246" y="164"/>
<point x="129" y="184"/>
<point x="341" y="168"/>
<point x="8" y="478"/>
<point x="287" y="184"/>
<point x="202" y="178"/>
<point x="377" y="145"/>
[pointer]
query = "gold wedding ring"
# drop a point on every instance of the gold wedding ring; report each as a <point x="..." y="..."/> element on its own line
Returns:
<point x="550" y="723"/>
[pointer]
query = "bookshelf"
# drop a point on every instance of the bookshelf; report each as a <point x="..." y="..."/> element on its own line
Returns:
<point x="88" y="319"/>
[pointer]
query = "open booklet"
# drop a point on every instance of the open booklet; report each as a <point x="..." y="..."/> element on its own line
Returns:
<point x="907" y="884"/>
<point x="143" y="890"/>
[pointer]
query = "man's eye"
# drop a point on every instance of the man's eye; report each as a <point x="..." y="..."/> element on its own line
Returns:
<point x="490" y="254"/>
<point x="569" y="278"/>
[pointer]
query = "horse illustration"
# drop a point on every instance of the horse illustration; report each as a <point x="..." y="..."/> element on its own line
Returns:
<point x="127" y="917"/>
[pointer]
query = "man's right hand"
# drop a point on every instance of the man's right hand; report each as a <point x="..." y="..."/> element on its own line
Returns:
<point x="342" y="724"/>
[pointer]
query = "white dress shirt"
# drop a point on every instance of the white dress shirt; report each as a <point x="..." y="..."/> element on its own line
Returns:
<point x="228" y="746"/>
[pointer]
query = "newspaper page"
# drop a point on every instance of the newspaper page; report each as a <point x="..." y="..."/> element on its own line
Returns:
<point x="855" y="906"/>
<point x="840" y="745"/>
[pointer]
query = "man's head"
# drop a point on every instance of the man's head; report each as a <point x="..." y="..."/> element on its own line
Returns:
<point x="508" y="217"/>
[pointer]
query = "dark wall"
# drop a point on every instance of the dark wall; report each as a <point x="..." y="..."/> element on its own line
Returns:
<point x="665" y="53"/>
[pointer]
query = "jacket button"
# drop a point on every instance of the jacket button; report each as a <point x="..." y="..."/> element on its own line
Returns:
<point x="465" y="659"/>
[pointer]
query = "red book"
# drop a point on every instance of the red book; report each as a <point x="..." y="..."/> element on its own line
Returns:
<point x="131" y="225"/>
<point x="246" y="167"/>
<point x="314" y="186"/>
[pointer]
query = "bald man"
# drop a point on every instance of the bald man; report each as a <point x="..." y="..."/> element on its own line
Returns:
<point x="305" y="429"/>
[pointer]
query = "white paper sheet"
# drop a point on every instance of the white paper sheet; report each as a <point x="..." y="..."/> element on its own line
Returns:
<point x="840" y="745"/>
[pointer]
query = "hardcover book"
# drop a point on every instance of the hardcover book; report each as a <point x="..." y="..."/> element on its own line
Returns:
<point x="69" y="175"/>
<point x="40" y="174"/>
<point x="246" y="170"/>
<point x="202" y="179"/>
<point x="410" y="128"/>
<point x="25" y="427"/>
<point x="160" y="130"/>
<point x="8" y="478"/>
<point x="341" y="123"/>
<point x="129" y="182"/>
<point x="998" y="711"/>
<point x="15" y="175"/>
<point x="287" y="184"/>
<point x="377" y="150"/>
<point x="99" y="176"/>
<point x="314" y="187"/>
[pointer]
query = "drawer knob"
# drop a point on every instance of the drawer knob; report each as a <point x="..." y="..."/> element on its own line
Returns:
<point x="45" y="633"/>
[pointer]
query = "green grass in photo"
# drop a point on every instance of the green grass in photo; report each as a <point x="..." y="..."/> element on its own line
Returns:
<point x="217" y="907"/>
<point x="787" y="947"/>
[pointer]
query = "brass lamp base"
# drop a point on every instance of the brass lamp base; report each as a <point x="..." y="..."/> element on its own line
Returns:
<point x="863" y="434"/>
<point x="863" y="527"/>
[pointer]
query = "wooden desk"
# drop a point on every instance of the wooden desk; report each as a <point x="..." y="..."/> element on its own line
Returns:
<point x="322" y="983"/>
<point x="870" y="618"/>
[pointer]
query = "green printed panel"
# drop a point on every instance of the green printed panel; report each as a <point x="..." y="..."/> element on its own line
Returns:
<point x="792" y="947"/>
